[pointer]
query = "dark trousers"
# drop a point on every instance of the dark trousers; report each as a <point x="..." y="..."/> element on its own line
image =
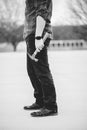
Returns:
<point x="40" y="76"/>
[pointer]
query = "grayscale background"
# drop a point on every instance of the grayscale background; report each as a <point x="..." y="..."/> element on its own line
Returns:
<point x="68" y="62"/>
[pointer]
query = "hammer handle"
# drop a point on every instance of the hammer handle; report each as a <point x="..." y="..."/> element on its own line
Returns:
<point x="36" y="51"/>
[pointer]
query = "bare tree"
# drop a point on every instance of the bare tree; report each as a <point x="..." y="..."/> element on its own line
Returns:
<point x="79" y="10"/>
<point x="11" y="12"/>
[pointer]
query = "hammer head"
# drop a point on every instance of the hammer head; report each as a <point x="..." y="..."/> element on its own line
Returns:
<point x="32" y="57"/>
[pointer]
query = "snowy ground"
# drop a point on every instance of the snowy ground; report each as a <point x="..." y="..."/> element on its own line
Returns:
<point x="69" y="70"/>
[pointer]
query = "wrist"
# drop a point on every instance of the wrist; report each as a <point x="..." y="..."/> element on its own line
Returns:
<point x="38" y="37"/>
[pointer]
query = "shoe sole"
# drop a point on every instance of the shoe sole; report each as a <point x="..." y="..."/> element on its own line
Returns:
<point x="50" y="114"/>
<point x="32" y="109"/>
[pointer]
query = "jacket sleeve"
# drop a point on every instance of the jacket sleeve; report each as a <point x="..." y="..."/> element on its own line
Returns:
<point x="45" y="10"/>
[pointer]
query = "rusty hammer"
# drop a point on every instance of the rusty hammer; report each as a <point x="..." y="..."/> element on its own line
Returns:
<point x="32" y="57"/>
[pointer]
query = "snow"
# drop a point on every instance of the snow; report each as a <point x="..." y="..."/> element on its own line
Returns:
<point x="69" y="69"/>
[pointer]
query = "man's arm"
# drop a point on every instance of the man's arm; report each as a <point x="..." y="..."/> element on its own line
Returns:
<point x="40" y="25"/>
<point x="44" y="14"/>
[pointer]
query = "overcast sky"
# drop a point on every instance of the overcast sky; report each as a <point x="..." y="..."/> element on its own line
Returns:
<point x="61" y="13"/>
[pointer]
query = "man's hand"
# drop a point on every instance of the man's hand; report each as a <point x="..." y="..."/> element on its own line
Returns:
<point x="39" y="44"/>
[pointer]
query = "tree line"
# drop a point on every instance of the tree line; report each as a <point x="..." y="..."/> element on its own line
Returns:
<point x="11" y="31"/>
<point x="11" y="23"/>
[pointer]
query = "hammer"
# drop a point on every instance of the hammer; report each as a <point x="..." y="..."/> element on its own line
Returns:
<point x="32" y="57"/>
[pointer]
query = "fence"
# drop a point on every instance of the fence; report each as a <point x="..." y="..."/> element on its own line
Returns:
<point x="68" y="44"/>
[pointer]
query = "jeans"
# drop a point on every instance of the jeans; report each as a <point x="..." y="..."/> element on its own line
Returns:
<point x="40" y="75"/>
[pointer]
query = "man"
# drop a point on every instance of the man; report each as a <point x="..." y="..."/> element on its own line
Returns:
<point x="37" y="24"/>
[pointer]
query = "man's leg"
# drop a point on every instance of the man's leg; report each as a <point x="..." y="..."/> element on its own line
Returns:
<point x="38" y="93"/>
<point x="44" y="75"/>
